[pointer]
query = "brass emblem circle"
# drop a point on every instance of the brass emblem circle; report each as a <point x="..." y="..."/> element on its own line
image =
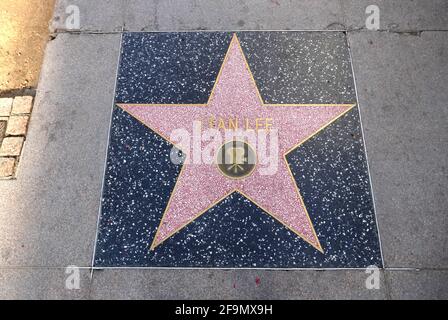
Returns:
<point x="236" y="159"/>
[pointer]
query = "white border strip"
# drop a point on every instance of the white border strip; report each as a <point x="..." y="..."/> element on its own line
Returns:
<point x="365" y="149"/>
<point x="194" y="31"/>
<point x="416" y="269"/>
<point x="106" y="155"/>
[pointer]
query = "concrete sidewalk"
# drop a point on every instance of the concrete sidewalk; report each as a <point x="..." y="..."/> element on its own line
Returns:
<point x="49" y="213"/>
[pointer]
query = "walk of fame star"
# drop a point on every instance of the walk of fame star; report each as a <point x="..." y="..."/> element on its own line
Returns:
<point x="201" y="186"/>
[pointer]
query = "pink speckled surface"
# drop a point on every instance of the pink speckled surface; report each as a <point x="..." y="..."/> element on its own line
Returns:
<point x="200" y="186"/>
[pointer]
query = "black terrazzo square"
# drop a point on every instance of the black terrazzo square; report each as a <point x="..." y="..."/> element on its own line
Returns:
<point x="305" y="69"/>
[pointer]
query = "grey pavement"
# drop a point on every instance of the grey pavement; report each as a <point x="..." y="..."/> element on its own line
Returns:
<point x="176" y="15"/>
<point x="402" y="94"/>
<point x="49" y="213"/>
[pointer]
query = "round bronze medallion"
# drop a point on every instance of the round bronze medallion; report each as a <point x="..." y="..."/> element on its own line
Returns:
<point x="236" y="159"/>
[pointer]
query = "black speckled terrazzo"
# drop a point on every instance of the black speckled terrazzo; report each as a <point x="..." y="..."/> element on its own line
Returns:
<point x="330" y="169"/>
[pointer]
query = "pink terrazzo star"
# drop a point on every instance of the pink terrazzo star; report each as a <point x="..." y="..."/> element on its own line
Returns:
<point x="200" y="186"/>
